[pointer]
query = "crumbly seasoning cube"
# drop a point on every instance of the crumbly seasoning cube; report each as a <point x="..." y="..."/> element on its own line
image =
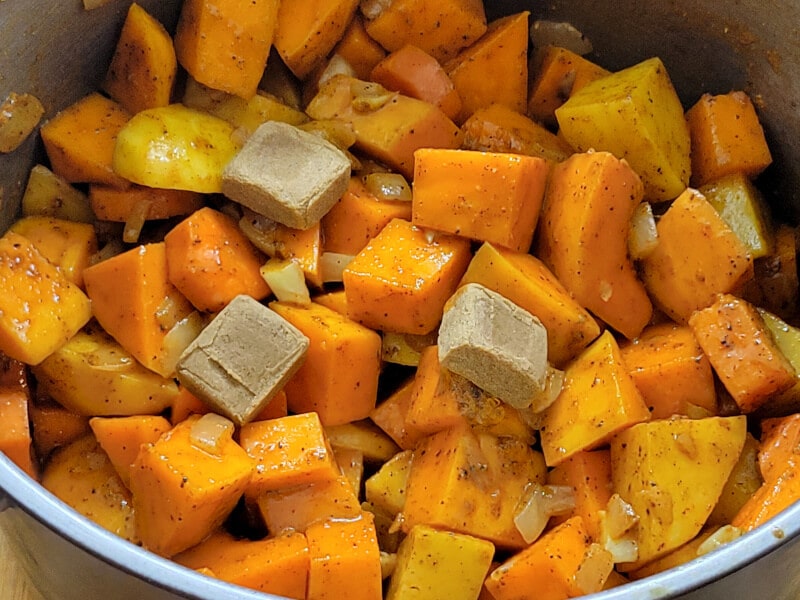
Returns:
<point x="291" y="176"/>
<point x="242" y="359"/>
<point x="494" y="343"/>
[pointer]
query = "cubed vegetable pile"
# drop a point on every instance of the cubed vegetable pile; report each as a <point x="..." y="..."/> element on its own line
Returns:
<point x="340" y="299"/>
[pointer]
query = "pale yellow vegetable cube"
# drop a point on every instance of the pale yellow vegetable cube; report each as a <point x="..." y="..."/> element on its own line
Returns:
<point x="48" y="194"/>
<point x="635" y="114"/>
<point x="434" y="564"/>
<point x="19" y="116"/>
<point x="386" y="489"/>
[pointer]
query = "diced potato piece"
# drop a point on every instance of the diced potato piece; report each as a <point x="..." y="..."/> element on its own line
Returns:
<point x="364" y="437"/>
<point x="787" y="339"/>
<point x="744" y="480"/>
<point x="635" y="114"/>
<point x="175" y="147"/>
<point x="386" y="489"/>
<point x="775" y="285"/>
<point x="93" y="375"/>
<point x="672" y="473"/>
<point x="439" y="564"/>
<point x="48" y="194"/>
<point x="19" y="116"/>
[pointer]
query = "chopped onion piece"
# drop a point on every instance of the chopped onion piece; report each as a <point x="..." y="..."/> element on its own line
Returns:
<point x="564" y="35"/>
<point x="332" y="265"/>
<point x="177" y="340"/>
<point x="430" y="236"/>
<point x="554" y="381"/>
<point x="337" y="132"/>
<point x="337" y="65"/>
<point x="286" y="280"/>
<point x="135" y="221"/>
<point x="371" y="9"/>
<point x="112" y="248"/>
<point x="538" y="504"/>
<point x="643" y="235"/>
<point x="261" y="231"/>
<point x="368" y="96"/>
<point x="593" y="572"/>
<point x="622" y="549"/>
<point x="723" y="535"/>
<point x="209" y="430"/>
<point x="620" y="516"/>
<point x="388" y="186"/>
<point x="388" y="563"/>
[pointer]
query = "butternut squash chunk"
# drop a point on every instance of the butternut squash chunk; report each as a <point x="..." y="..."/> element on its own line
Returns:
<point x="345" y="560"/>
<point x="672" y="473"/>
<point x="697" y="257"/>
<point x="210" y="261"/>
<point x="388" y="126"/>
<point x="121" y="438"/>
<point x="186" y="484"/>
<point x="40" y="309"/>
<point x="441" y="29"/>
<point x="742" y="351"/>
<point x="670" y="370"/>
<point x="400" y="281"/>
<point x="635" y="114"/>
<point x="360" y="51"/>
<point x="585" y="220"/>
<point x="15" y="434"/>
<point x="134" y="301"/>
<point x="54" y="426"/>
<point x="526" y="281"/>
<point x="308" y="30"/>
<point x="339" y="378"/>
<point x="275" y="565"/>
<point x="391" y="416"/>
<point x="503" y="51"/>
<point x="598" y="399"/>
<point x="80" y="140"/>
<point x="485" y="196"/>
<point x="112" y="204"/>
<point x="726" y="137"/>
<point x="143" y="68"/>
<point x="225" y="45"/>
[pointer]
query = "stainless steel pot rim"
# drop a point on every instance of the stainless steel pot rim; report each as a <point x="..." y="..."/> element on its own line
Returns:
<point x="28" y="495"/>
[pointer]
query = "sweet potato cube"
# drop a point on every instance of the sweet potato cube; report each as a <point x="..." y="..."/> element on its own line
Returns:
<point x="670" y="370"/>
<point x="15" y="434"/>
<point x="80" y="140"/>
<point x="186" y="484"/>
<point x="242" y="359"/>
<point x="471" y="483"/>
<point x="112" y="204"/>
<point x="415" y="73"/>
<point x="546" y="569"/>
<point x="211" y="261"/>
<point x="134" y="301"/>
<point x="345" y="560"/>
<point x="308" y="30"/>
<point x="557" y="74"/>
<point x="388" y="126"/>
<point x="526" y="281"/>
<point x="498" y="128"/>
<point x="339" y="378"/>
<point x="727" y="137"/>
<point x="487" y="196"/>
<point x="289" y="175"/>
<point x="143" y="67"/>
<point x="503" y="51"/>
<point x="419" y="22"/>
<point x="589" y="473"/>
<point x="494" y="343"/>
<point x="225" y="45"/>
<point x="358" y="217"/>
<point x="697" y="257"/>
<point x="431" y="563"/>
<point x="275" y="565"/>
<point x="590" y="200"/>
<point x="635" y="114"/>
<point x="66" y="244"/>
<point x="770" y="499"/>
<point x="297" y="508"/>
<point x="400" y="281"/>
<point x="288" y="451"/>
<point x="599" y="398"/>
<point x="40" y="309"/>
<point x="742" y="351"/>
<point x="672" y="472"/>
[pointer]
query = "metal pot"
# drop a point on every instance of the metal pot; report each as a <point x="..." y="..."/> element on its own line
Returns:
<point x="58" y="52"/>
